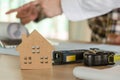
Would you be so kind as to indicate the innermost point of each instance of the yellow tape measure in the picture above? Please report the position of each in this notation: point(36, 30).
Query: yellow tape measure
point(116, 58)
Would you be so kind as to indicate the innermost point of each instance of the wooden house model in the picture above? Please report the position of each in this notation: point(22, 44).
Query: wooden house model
point(35, 52)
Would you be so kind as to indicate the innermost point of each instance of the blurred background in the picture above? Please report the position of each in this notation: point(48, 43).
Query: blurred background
point(55, 28)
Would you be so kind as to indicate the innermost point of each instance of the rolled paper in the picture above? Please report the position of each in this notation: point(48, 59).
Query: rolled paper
point(12, 30)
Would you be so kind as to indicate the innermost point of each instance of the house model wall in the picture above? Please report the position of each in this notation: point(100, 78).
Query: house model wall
point(35, 52)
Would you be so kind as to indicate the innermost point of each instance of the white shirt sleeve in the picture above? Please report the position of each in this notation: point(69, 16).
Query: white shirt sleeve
point(76, 10)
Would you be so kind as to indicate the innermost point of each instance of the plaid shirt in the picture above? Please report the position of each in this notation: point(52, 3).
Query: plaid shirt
point(103, 25)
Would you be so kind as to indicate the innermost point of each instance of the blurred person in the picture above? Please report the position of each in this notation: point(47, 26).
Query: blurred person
point(75, 10)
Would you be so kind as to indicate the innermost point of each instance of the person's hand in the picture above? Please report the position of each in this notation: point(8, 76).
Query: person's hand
point(51, 8)
point(30, 11)
point(117, 40)
point(26, 13)
point(113, 39)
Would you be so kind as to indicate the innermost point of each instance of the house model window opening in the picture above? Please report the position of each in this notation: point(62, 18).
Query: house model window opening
point(35, 49)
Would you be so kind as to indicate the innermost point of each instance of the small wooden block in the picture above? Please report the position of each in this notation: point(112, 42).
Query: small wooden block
point(35, 52)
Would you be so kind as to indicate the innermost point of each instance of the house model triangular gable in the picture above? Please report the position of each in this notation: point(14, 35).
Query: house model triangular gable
point(35, 52)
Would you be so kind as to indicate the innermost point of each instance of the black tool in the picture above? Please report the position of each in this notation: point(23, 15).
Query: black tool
point(68, 56)
point(96, 57)
point(90, 57)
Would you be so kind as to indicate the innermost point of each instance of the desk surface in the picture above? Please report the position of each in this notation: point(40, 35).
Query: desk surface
point(10, 70)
